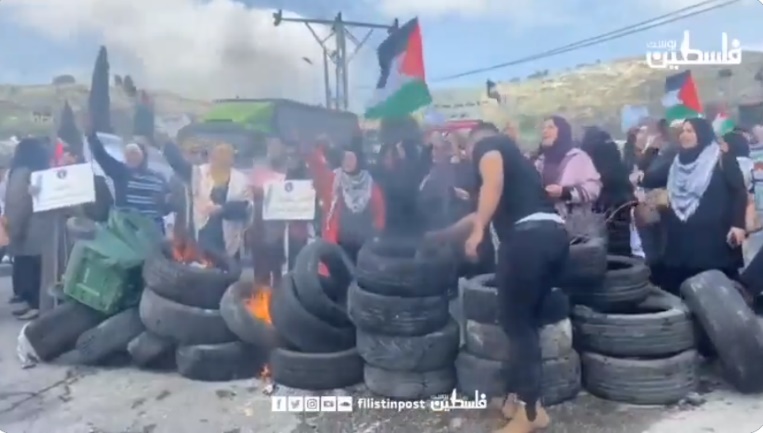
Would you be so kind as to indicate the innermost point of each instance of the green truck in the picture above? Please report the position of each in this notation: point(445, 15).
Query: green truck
point(245, 123)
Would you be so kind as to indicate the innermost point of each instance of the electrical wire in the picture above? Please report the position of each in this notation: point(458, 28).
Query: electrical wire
point(604, 37)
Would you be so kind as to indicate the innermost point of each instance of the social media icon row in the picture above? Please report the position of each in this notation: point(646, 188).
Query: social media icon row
point(311, 404)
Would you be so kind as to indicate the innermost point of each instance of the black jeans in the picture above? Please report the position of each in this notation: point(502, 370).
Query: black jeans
point(26, 278)
point(529, 263)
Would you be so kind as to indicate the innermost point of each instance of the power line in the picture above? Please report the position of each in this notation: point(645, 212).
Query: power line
point(604, 37)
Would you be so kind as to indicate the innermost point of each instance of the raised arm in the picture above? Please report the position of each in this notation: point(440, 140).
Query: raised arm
point(177, 161)
point(112, 167)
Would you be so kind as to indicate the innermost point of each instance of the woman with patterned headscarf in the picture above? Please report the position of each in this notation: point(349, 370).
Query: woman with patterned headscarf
point(220, 198)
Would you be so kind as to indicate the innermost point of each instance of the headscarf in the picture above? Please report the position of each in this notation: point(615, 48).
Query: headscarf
point(692, 170)
point(220, 174)
point(739, 147)
point(355, 187)
point(606, 157)
point(554, 154)
point(32, 154)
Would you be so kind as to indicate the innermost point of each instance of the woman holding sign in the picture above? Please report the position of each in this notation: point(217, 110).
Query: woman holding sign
point(221, 198)
point(354, 210)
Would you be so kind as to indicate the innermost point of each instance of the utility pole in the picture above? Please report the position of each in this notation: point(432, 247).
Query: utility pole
point(340, 31)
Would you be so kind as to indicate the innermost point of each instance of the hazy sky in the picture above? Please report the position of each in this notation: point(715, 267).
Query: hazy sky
point(219, 48)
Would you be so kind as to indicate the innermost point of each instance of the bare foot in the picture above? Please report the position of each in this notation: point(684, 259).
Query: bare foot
point(520, 424)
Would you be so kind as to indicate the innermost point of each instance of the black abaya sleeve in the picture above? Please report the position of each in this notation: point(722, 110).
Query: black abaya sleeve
point(735, 181)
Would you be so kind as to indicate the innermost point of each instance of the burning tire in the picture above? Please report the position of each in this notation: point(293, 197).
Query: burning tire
point(561, 377)
point(183, 324)
point(56, 331)
point(316, 371)
point(394, 315)
point(641, 381)
point(730, 325)
point(199, 286)
point(428, 352)
point(326, 298)
point(147, 348)
point(303, 330)
point(480, 302)
point(243, 320)
point(490, 342)
point(409, 385)
point(659, 326)
point(110, 336)
point(218, 362)
point(394, 267)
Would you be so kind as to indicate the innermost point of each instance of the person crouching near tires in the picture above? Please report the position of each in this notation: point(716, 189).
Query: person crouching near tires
point(534, 246)
point(355, 210)
point(221, 204)
point(705, 205)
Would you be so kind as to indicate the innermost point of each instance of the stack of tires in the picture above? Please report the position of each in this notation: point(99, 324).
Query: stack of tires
point(637, 343)
point(486, 346)
point(180, 308)
point(405, 335)
point(316, 339)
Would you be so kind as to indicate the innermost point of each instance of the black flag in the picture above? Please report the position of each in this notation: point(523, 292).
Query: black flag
point(492, 91)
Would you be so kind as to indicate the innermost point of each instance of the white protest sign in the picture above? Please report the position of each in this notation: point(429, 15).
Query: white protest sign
point(62, 187)
point(289, 200)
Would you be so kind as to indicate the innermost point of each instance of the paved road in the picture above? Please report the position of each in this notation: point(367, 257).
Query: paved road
point(59, 399)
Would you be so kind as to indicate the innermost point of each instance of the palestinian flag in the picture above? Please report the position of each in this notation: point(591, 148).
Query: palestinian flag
point(722, 124)
point(681, 100)
point(402, 87)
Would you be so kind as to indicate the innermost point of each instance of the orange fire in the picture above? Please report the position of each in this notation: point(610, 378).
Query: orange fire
point(185, 252)
point(259, 304)
point(265, 372)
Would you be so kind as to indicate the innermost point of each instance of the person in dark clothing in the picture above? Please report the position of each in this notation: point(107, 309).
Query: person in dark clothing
point(399, 174)
point(136, 187)
point(704, 225)
point(534, 246)
point(221, 199)
point(27, 230)
point(616, 191)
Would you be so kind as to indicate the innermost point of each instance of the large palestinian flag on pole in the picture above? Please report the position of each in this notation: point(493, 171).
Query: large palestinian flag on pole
point(681, 100)
point(402, 87)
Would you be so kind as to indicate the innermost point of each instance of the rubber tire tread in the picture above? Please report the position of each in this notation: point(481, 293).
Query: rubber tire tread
point(303, 330)
point(326, 301)
point(56, 331)
point(316, 371)
point(561, 377)
point(650, 334)
point(620, 287)
point(427, 352)
point(148, 347)
point(183, 324)
point(110, 336)
point(586, 264)
point(491, 342)
point(406, 385)
point(394, 315)
point(218, 362)
point(641, 381)
point(730, 325)
point(393, 267)
point(188, 285)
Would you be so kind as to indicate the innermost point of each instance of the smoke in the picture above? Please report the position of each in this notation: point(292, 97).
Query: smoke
point(210, 49)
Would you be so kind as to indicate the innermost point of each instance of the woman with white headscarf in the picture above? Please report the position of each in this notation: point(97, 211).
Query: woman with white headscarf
point(705, 220)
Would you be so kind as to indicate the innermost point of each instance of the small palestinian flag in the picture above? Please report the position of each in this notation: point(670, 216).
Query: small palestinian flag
point(681, 99)
point(402, 87)
point(722, 124)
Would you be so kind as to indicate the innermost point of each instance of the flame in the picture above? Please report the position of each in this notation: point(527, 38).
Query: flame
point(185, 252)
point(259, 304)
point(265, 374)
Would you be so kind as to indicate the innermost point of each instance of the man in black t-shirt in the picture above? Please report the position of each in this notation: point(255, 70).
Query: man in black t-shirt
point(533, 249)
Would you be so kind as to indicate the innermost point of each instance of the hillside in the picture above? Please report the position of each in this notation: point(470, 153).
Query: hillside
point(588, 94)
point(594, 94)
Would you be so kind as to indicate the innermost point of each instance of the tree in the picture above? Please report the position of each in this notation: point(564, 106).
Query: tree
point(118, 80)
point(67, 130)
point(144, 122)
point(99, 102)
point(62, 80)
point(128, 85)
